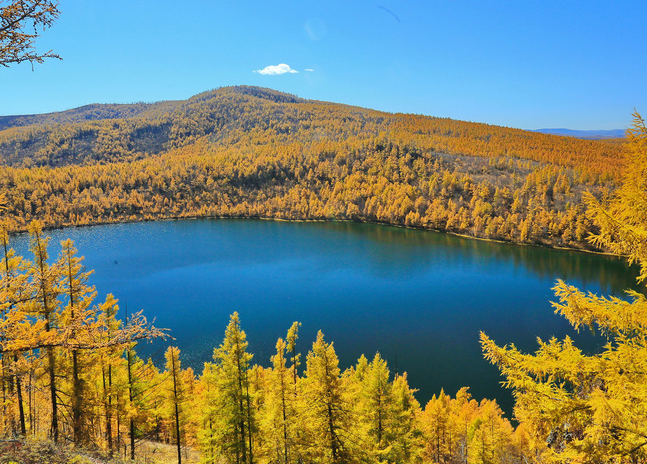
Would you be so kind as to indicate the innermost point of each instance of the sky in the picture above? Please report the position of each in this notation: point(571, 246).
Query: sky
point(527, 64)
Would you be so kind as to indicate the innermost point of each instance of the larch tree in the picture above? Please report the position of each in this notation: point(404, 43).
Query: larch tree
point(441, 428)
point(593, 408)
point(489, 435)
point(20, 24)
point(109, 359)
point(46, 278)
point(53, 334)
point(375, 404)
point(76, 317)
point(231, 420)
point(175, 393)
point(279, 418)
point(293, 335)
point(13, 293)
point(404, 434)
point(326, 417)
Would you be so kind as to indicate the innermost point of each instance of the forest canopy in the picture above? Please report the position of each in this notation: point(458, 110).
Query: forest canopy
point(252, 152)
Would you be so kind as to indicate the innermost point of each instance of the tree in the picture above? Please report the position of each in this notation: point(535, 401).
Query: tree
point(326, 417)
point(623, 221)
point(175, 393)
point(46, 280)
point(375, 403)
point(229, 417)
point(13, 292)
point(293, 335)
point(593, 408)
point(20, 22)
point(489, 435)
point(440, 428)
point(279, 424)
point(79, 297)
point(404, 435)
point(50, 328)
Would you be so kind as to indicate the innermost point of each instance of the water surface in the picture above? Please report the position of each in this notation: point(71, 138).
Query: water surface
point(419, 298)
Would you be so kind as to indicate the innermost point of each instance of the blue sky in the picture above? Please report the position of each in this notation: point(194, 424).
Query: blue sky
point(573, 64)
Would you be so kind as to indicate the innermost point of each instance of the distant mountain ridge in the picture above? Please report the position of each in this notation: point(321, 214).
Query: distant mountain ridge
point(150, 111)
point(92, 112)
point(108, 133)
point(585, 134)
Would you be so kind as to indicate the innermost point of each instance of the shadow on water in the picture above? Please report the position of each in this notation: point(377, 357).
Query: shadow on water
point(610, 275)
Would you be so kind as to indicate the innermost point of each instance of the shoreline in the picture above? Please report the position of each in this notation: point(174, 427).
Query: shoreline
point(269, 218)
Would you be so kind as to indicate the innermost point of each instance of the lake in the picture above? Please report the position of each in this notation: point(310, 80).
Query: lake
point(420, 298)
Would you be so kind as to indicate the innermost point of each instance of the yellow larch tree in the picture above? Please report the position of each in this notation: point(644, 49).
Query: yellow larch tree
point(592, 408)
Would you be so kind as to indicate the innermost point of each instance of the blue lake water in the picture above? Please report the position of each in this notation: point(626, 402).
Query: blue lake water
point(419, 298)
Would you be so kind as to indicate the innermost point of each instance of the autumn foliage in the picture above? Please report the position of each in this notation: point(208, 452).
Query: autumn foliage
point(592, 408)
point(250, 152)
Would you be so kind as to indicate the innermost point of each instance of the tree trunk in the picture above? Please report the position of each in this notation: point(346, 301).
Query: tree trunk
point(177, 412)
point(130, 393)
point(21, 408)
point(52, 391)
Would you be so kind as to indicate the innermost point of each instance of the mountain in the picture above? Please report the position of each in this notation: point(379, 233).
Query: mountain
point(255, 152)
point(109, 132)
point(586, 134)
point(150, 111)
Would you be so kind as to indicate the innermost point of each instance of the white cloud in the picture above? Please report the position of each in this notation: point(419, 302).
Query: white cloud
point(309, 70)
point(276, 70)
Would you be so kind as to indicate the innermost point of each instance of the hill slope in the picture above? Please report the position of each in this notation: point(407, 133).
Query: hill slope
point(253, 152)
point(107, 133)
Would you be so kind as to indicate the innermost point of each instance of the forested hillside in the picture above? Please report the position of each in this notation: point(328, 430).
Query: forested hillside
point(69, 368)
point(247, 151)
